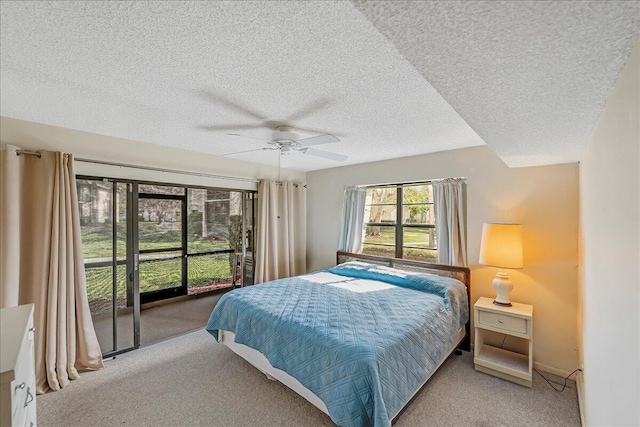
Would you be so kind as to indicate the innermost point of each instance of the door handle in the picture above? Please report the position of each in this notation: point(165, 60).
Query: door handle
point(136, 266)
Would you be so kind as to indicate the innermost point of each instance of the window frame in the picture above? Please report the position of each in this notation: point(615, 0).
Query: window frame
point(399, 225)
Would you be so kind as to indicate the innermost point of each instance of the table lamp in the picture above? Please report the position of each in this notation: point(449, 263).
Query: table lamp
point(501, 247)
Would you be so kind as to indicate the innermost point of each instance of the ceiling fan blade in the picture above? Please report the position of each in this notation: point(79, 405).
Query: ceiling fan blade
point(317, 140)
point(309, 110)
point(325, 154)
point(230, 104)
point(229, 127)
point(248, 151)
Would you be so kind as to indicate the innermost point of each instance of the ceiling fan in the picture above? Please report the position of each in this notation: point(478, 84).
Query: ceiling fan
point(284, 138)
point(287, 142)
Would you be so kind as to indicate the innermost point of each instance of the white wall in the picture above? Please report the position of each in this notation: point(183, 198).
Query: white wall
point(543, 199)
point(38, 136)
point(610, 226)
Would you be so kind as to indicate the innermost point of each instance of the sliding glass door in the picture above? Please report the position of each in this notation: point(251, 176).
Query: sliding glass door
point(105, 219)
point(145, 242)
point(162, 237)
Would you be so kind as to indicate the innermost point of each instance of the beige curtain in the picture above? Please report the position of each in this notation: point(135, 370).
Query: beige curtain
point(41, 262)
point(450, 203)
point(282, 230)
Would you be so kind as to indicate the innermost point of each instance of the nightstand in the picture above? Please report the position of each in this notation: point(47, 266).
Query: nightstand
point(513, 321)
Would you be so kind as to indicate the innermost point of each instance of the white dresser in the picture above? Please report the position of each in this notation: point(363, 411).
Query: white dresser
point(17, 377)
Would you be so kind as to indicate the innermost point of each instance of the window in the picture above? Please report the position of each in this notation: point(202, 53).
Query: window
point(400, 222)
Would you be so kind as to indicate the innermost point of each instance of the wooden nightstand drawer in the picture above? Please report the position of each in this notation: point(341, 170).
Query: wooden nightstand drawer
point(508, 323)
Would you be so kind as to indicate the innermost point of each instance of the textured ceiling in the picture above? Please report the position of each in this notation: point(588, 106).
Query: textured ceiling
point(158, 71)
point(530, 78)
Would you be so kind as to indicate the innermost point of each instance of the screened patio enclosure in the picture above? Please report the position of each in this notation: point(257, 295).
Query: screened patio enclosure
point(146, 242)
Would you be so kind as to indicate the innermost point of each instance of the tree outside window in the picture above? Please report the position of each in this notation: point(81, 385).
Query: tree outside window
point(399, 222)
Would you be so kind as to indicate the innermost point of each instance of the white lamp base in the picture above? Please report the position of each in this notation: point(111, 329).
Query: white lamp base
point(503, 287)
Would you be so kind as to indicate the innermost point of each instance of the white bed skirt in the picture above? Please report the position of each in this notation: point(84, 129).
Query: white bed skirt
point(258, 360)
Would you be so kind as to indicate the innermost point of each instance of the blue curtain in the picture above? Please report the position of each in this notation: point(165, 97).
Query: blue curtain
point(352, 219)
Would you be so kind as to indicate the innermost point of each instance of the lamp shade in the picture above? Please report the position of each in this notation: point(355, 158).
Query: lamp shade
point(501, 245)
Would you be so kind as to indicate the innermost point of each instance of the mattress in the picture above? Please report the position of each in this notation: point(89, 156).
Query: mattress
point(361, 337)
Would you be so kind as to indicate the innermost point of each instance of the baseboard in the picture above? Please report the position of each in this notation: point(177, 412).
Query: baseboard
point(579, 387)
point(551, 370)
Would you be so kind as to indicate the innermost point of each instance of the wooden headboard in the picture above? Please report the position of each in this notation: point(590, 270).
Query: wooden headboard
point(463, 274)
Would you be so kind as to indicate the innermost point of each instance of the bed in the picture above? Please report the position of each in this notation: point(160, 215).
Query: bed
point(358, 340)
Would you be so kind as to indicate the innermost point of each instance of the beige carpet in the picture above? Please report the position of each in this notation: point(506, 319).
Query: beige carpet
point(160, 322)
point(166, 321)
point(191, 380)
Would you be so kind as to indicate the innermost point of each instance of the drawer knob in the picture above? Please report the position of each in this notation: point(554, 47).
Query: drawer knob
point(21, 386)
point(500, 321)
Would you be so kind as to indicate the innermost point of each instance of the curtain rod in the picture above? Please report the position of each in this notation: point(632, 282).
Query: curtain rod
point(390, 184)
point(295, 184)
point(150, 168)
point(30, 153)
point(393, 184)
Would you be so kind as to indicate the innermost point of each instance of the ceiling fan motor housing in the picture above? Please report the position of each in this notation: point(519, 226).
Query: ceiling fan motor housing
point(285, 134)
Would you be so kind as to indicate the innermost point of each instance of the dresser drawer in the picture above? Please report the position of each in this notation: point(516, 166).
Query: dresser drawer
point(500, 321)
point(19, 396)
point(17, 377)
point(22, 387)
point(31, 416)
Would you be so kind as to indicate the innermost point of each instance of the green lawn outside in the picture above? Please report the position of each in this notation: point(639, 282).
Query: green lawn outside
point(412, 236)
point(154, 275)
point(427, 255)
point(157, 275)
point(97, 243)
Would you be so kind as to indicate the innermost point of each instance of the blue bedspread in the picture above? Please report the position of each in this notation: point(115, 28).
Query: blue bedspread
point(362, 347)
